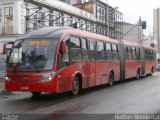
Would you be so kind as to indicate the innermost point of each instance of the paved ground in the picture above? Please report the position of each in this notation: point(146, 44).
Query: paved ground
point(1, 85)
point(130, 97)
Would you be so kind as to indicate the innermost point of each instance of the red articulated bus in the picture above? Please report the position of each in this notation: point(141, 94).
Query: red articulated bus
point(65, 59)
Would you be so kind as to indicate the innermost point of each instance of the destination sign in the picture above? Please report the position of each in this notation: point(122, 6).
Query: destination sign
point(39, 43)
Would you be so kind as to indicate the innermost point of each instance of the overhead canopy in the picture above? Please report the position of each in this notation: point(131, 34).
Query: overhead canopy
point(65, 7)
point(104, 1)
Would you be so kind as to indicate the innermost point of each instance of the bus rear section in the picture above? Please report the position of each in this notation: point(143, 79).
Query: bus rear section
point(149, 60)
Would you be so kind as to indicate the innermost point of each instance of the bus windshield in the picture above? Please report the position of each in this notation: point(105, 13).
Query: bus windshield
point(32, 55)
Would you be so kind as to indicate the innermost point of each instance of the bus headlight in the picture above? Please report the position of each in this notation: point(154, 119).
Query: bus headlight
point(7, 78)
point(46, 79)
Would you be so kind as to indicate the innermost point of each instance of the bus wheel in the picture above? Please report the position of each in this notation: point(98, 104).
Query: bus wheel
point(138, 74)
point(151, 72)
point(36, 94)
point(75, 87)
point(111, 79)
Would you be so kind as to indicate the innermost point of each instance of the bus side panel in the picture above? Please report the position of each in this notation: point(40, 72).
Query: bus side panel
point(67, 76)
point(92, 72)
point(131, 68)
point(115, 66)
point(148, 66)
point(101, 71)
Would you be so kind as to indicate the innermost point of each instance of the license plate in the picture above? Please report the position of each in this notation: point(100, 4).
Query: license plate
point(24, 88)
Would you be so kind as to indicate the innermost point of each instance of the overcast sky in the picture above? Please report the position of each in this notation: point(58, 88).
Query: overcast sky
point(132, 9)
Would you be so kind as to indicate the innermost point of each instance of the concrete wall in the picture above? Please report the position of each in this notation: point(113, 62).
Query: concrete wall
point(18, 20)
point(18, 15)
point(156, 27)
point(133, 34)
point(71, 2)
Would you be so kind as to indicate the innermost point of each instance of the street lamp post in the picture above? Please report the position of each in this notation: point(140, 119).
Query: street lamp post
point(139, 31)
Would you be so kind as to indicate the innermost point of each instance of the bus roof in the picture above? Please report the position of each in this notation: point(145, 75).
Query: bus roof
point(130, 43)
point(57, 32)
point(89, 35)
point(49, 32)
point(148, 47)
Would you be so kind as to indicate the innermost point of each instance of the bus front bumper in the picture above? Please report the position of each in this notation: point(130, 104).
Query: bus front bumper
point(31, 86)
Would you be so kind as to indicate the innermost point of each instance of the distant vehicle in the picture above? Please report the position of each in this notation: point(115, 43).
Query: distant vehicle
point(65, 59)
point(158, 64)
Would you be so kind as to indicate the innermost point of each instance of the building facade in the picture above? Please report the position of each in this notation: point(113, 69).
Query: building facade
point(156, 27)
point(18, 17)
point(71, 2)
point(149, 41)
point(133, 32)
point(12, 20)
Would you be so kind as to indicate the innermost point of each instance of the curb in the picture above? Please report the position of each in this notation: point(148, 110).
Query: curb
point(5, 92)
point(1, 80)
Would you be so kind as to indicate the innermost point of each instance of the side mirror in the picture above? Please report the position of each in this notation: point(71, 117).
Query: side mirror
point(63, 48)
point(4, 49)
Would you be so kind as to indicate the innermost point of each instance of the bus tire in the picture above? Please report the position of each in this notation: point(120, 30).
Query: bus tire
point(138, 75)
point(151, 71)
point(76, 86)
point(36, 94)
point(111, 79)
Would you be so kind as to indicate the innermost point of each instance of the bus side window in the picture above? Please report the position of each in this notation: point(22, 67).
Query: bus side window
point(92, 49)
point(130, 57)
point(104, 52)
point(146, 54)
point(137, 53)
point(126, 52)
point(115, 52)
point(108, 51)
point(134, 53)
point(100, 51)
point(84, 46)
point(75, 49)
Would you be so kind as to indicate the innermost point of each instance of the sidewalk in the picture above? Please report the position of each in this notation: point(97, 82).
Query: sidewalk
point(1, 85)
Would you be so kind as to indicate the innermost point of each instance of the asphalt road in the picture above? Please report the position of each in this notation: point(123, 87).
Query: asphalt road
point(129, 97)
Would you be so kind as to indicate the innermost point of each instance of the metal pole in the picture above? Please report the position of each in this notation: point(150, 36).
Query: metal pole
point(158, 45)
point(139, 24)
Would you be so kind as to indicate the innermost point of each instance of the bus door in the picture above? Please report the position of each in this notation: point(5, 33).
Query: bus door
point(92, 46)
point(142, 52)
point(122, 60)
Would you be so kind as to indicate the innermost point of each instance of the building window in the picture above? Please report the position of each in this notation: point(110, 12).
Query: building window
point(8, 21)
